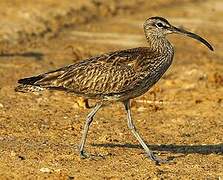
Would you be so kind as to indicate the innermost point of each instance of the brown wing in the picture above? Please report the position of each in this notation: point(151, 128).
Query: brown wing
point(109, 73)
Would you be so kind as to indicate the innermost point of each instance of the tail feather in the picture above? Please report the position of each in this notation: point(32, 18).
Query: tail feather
point(30, 80)
point(40, 82)
point(28, 88)
point(28, 84)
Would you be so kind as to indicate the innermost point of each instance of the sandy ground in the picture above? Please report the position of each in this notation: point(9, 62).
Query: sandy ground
point(40, 133)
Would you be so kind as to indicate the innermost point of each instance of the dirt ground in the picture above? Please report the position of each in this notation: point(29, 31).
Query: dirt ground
point(180, 117)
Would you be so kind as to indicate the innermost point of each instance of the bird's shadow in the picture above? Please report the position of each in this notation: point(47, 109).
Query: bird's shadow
point(35, 55)
point(183, 149)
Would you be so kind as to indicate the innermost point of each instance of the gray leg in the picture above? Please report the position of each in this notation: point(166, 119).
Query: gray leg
point(86, 127)
point(138, 137)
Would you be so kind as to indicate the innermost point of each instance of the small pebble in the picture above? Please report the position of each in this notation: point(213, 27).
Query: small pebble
point(141, 109)
point(45, 170)
point(13, 154)
point(21, 157)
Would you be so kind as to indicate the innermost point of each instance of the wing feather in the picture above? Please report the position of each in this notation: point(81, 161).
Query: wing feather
point(109, 73)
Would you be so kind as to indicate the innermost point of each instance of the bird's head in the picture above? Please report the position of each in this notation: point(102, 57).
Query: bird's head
point(160, 27)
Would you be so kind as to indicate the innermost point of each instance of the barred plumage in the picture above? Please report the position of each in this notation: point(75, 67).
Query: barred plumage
point(116, 76)
point(101, 76)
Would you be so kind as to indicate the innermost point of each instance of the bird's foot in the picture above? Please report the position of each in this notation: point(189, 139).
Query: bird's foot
point(83, 155)
point(156, 159)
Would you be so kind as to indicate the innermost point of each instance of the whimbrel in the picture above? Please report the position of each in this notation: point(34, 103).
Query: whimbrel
point(116, 76)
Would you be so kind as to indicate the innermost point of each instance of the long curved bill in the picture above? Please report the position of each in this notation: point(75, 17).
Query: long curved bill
point(192, 35)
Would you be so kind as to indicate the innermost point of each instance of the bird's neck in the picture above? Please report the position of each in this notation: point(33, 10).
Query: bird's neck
point(158, 43)
point(161, 56)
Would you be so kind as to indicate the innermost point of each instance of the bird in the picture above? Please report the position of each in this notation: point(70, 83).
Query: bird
point(118, 76)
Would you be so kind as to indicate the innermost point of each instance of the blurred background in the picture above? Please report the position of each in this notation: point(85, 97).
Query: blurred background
point(180, 117)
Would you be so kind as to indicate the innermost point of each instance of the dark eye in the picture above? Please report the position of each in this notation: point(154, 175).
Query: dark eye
point(159, 25)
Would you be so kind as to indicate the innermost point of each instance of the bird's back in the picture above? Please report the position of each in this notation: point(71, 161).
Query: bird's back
point(109, 76)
